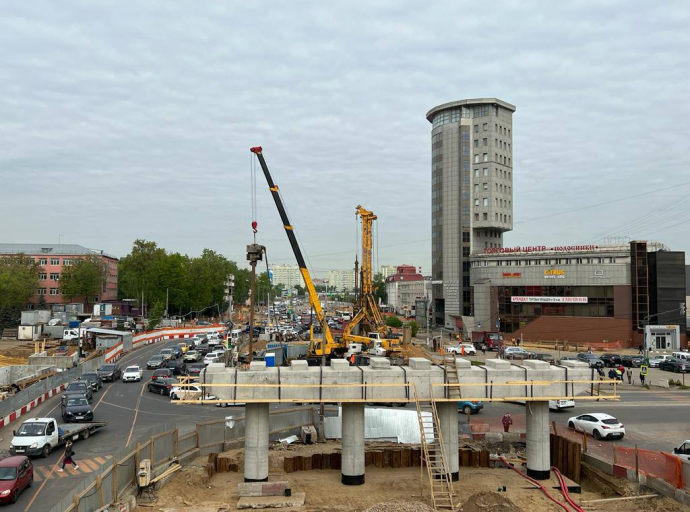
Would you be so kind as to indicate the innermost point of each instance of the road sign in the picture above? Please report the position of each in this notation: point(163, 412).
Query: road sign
point(644, 369)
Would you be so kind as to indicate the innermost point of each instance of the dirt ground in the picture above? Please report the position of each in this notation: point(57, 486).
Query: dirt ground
point(385, 490)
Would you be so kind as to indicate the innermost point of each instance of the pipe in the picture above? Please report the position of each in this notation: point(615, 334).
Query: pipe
point(564, 490)
point(537, 483)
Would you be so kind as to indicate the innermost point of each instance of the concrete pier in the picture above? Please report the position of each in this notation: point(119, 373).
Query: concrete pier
point(353, 444)
point(448, 420)
point(538, 440)
point(256, 442)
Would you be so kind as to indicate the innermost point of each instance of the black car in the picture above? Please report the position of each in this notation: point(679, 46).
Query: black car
point(194, 369)
point(673, 364)
point(77, 408)
point(589, 358)
point(78, 388)
point(178, 367)
point(157, 361)
point(632, 361)
point(611, 360)
point(162, 373)
point(94, 379)
point(204, 348)
point(162, 386)
point(110, 372)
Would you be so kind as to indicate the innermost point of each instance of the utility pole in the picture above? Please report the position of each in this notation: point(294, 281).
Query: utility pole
point(254, 254)
point(167, 301)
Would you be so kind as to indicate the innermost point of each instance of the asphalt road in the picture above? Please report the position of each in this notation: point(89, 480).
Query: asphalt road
point(653, 419)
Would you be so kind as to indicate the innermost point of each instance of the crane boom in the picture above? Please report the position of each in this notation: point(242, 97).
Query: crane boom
point(313, 296)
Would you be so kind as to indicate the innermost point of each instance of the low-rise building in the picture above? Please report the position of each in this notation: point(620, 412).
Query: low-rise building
point(403, 288)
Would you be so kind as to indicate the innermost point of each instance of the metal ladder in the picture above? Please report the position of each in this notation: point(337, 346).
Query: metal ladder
point(452, 391)
point(433, 456)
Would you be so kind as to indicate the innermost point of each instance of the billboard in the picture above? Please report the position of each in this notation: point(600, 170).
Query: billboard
point(550, 300)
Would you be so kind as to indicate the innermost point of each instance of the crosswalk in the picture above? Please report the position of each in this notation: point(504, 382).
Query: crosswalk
point(86, 466)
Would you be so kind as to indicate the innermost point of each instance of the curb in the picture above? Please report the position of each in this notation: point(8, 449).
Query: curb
point(31, 405)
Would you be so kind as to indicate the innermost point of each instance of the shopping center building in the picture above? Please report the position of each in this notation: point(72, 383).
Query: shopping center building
point(586, 294)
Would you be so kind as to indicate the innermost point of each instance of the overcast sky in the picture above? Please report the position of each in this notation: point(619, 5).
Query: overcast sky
point(134, 119)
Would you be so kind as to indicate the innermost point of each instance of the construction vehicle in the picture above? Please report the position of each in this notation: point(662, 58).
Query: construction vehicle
point(368, 316)
point(325, 346)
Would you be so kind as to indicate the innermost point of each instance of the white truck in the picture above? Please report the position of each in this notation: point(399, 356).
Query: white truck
point(683, 451)
point(37, 437)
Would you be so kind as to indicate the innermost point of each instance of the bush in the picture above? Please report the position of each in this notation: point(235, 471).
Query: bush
point(415, 328)
point(393, 321)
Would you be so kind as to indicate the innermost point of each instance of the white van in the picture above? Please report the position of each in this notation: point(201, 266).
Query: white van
point(235, 336)
point(685, 356)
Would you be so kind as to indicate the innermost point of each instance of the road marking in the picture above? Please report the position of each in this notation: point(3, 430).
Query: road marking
point(102, 397)
point(91, 463)
point(100, 460)
point(136, 413)
point(43, 484)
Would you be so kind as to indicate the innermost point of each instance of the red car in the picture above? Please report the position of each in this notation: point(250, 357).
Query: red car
point(16, 474)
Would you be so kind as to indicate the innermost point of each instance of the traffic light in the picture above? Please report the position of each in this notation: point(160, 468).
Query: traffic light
point(682, 308)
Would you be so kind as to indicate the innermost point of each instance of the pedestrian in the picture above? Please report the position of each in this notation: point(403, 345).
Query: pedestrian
point(641, 379)
point(67, 458)
point(507, 422)
point(600, 371)
point(629, 374)
point(612, 375)
point(483, 349)
point(621, 369)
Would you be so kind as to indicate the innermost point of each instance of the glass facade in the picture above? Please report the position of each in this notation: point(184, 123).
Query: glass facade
point(516, 315)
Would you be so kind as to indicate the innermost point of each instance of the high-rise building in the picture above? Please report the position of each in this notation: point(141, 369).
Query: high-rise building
point(287, 275)
point(388, 270)
point(341, 280)
point(471, 195)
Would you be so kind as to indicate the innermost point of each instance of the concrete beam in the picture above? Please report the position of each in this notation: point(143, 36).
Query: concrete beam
point(256, 443)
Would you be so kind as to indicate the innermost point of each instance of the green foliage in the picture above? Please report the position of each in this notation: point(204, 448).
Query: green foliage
point(476, 363)
point(300, 290)
point(156, 314)
point(83, 278)
point(393, 321)
point(18, 283)
point(42, 303)
point(415, 327)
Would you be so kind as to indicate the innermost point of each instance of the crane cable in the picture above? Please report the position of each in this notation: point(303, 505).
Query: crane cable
point(252, 186)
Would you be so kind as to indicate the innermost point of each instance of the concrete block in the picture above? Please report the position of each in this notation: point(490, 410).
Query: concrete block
point(683, 497)
point(662, 383)
point(463, 363)
point(379, 363)
point(299, 365)
point(257, 366)
point(296, 500)
point(340, 365)
point(497, 364)
point(420, 363)
point(262, 488)
point(536, 365)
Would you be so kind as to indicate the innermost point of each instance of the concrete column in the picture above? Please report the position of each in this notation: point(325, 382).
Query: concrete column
point(256, 442)
point(538, 440)
point(353, 444)
point(448, 419)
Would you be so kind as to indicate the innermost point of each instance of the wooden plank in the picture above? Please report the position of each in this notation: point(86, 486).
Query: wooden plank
point(233, 467)
point(396, 458)
point(475, 459)
point(99, 484)
point(317, 461)
point(415, 457)
point(406, 457)
point(484, 459)
point(326, 461)
point(465, 459)
point(288, 465)
point(386, 458)
point(369, 458)
point(378, 458)
point(299, 462)
point(578, 466)
point(306, 463)
point(336, 460)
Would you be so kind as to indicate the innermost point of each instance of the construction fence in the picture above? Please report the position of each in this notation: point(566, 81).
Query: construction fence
point(653, 464)
point(164, 444)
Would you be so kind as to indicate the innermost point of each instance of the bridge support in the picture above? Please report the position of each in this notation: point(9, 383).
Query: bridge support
point(448, 420)
point(256, 442)
point(353, 444)
point(538, 440)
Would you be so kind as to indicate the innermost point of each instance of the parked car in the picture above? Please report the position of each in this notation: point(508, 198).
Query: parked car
point(157, 361)
point(161, 386)
point(610, 360)
point(193, 356)
point(110, 372)
point(211, 358)
point(589, 358)
point(598, 424)
point(632, 361)
point(76, 409)
point(132, 374)
point(194, 369)
point(16, 474)
point(467, 348)
point(515, 350)
point(94, 379)
point(162, 373)
point(567, 358)
point(656, 360)
point(675, 365)
point(78, 388)
point(178, 367)
point(189, 392)
point(168, 354)
point(548, 358)
point(470, 407)
point(683, 451)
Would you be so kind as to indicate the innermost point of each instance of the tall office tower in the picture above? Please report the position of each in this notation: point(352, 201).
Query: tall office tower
point(471, 195)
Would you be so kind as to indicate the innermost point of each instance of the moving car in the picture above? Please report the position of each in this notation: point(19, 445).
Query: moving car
point(516, 350)
point(632, 361)
point(157, 361)
point(192, 356)
point(183, 348)
point(211, 358)
point(470, 407)
point(675, 365)
point(194, 369)
point(168, 354)
point(132, 374)
point(94, 379)
point(656, 360)
point(78, 388)
point(683, 451)
point(16, 474)
point(110, 372)
point(559, 405)
point(38, 436)
point(178, 367)
point(162, 373)
point(177, 351)
point(610, 360)
point(589, 358)
point(598, 424)
point(161, 386)
point(77, 409)
point(458, 349)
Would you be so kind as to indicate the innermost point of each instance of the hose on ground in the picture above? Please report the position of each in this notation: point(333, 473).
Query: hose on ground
point(564, 490)
point(535, 482)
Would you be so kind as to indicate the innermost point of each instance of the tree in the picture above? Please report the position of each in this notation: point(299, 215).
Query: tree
point(18, 283)
point(83, 278)
point(156, 314)
point(415, 328)
point(300, 290)
point(42, 303)
point(393, 321)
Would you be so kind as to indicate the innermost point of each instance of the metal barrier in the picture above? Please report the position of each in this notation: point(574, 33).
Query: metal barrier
point(18, 400)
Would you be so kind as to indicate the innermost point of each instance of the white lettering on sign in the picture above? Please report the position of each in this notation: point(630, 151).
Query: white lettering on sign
point(554, 274)
point(539, 248)
point(553, 300)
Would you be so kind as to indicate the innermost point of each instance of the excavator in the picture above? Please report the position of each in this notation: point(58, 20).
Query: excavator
point(368, 316)
point(326, 346)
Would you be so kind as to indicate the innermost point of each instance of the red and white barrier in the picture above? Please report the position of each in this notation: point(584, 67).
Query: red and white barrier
point(114, 353)
point(172, 333)
point(31, 405)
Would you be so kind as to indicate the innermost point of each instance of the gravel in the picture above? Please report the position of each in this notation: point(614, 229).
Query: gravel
point(400, 506)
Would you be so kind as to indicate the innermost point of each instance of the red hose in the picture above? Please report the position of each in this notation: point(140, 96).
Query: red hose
point(537, 483)
point(564, 490)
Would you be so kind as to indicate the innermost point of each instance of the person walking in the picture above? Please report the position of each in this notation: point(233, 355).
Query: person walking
point(483, 349)
point(507, 422)
point(641, 379)
point(600, 371)
point(67, 458)
point(629, 374)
